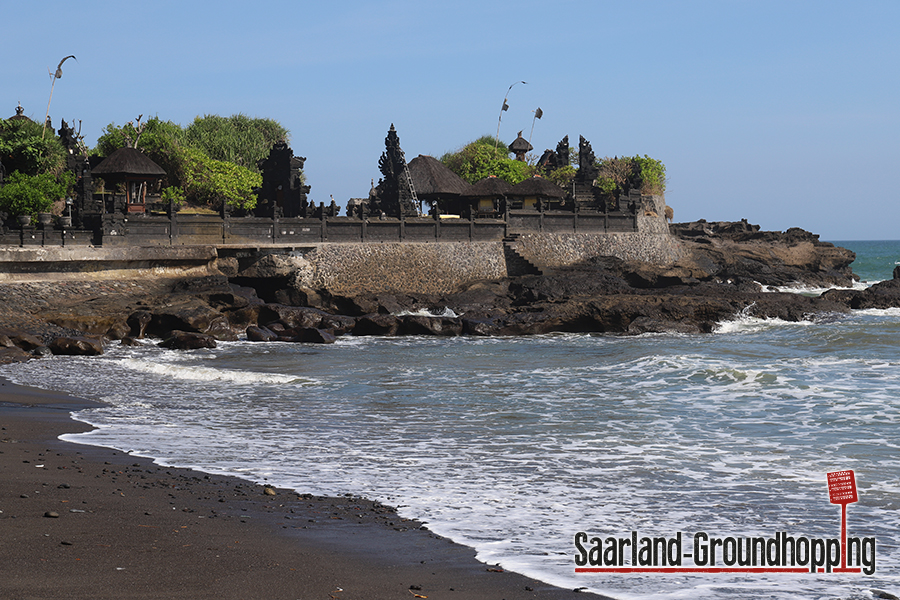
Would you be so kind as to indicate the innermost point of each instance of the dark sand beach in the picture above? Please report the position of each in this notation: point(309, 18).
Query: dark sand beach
point(86, 522)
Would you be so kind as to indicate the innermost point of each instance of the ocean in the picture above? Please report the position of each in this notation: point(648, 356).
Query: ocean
point(515, 445)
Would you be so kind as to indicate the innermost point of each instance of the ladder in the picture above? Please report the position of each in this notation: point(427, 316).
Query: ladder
point(412, 188)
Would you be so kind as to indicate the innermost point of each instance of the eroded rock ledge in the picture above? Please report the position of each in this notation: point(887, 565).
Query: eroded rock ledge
point(725, 269)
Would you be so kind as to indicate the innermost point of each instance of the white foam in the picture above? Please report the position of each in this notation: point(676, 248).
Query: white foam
point(807, 290)
point(195, 373)
point(512, 445)
point(425, 312)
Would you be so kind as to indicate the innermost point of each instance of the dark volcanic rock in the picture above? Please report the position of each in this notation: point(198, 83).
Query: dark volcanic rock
point(737, 251)
point(884, 294)
point(292, 317)
point(14, 354)
point(187, 313)
point(310, 335)
point(377, 324)
point(76, 346)
point(261, 334)
point(138, 321)
point(188, 340)
point(420, 325)
point(22, 340)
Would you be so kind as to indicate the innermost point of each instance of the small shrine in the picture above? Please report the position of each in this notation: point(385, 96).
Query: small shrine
point(536, 193)
point(135, 171)
point(489, 196)
point(520, 147)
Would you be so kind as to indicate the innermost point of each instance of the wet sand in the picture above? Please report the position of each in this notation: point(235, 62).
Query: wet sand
point(87, 522)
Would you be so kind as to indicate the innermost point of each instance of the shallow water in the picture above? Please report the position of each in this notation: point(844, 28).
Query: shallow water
point(512, 445)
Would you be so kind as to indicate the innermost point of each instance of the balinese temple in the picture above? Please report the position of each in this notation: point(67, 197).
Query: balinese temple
point(132, 168)
point(489, 197)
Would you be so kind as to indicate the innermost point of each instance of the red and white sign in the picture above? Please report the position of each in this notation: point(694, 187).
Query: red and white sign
point(842, 487)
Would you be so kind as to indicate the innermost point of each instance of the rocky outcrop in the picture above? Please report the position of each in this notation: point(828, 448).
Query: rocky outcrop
point(740, 252)
point(76, 346)
point(188, 340)
point(722, 270)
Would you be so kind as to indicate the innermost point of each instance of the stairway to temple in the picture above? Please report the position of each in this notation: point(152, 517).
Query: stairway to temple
point(516, 264)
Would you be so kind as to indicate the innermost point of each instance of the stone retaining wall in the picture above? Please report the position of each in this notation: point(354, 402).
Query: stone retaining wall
point(403, 267)
point(566, 249)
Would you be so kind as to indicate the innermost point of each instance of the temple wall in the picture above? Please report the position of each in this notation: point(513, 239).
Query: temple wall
point(403, 267)
point(566, 249)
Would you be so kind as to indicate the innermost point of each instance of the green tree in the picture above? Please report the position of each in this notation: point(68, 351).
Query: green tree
point(211, 182)
point(23, 150)
point(484, 157)
point(653, 175)
point(637, 172)
point(213, 160)
point(237, 139)
point(24, 194)
point(159, 140)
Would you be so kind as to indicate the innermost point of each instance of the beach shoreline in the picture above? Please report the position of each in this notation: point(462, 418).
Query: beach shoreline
point(84, 521)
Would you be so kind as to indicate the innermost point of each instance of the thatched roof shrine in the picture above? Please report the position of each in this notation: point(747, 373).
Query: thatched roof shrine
point(128, 162)
point(537, 187)
point(433, 179)
point(489, 187)
point(520, 146)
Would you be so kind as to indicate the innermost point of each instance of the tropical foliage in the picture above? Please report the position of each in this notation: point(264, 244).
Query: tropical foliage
point(638, 172)
point(210, 182)
point(213, 160)
point(487, 156)
point(484, 157)
point(22, 148)
point(24, 194)
point(236, 139)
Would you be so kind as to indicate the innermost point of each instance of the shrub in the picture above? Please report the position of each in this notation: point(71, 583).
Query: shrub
point(236, 139)
point(22, 148)
point(485, 157)
point(210, 182)
point(32, 194)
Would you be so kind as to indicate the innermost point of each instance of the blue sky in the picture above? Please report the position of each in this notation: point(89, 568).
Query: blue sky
point(784, 113)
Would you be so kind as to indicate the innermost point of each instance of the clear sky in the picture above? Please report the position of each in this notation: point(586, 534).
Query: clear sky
point(781, 112)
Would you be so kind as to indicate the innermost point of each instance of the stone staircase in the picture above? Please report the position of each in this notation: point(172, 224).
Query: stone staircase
point(516, 264)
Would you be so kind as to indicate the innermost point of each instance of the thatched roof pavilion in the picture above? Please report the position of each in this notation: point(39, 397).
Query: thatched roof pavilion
point(434, 180)
point(128, 162)
point(534, 190)
point(489, 196)
point(131, 167)
point(490, 187)
point(539, 187)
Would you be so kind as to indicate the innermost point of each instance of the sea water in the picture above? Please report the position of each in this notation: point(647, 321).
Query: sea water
point(513, 445)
